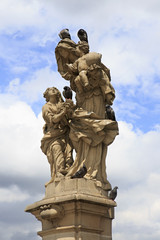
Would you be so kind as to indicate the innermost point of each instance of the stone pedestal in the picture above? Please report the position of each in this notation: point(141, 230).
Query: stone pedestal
point(74, 209)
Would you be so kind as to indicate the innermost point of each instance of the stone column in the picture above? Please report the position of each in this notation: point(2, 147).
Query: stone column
point(74, 209)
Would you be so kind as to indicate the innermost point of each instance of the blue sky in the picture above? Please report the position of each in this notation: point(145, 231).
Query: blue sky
point(127, 34)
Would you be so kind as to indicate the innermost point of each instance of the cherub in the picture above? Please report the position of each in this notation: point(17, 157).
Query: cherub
point(81, 65)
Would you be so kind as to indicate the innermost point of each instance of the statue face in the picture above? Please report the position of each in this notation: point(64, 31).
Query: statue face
point(52, 94)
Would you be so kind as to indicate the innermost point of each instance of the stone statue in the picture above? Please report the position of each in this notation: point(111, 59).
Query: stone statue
point(76, 203)
point(65, 53)
point(55, 142)
point(90, 131)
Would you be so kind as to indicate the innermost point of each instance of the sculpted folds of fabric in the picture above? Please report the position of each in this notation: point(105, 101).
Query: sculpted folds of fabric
point(83, 126)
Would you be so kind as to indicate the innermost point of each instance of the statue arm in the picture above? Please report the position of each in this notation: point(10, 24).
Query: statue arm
point(58, 117)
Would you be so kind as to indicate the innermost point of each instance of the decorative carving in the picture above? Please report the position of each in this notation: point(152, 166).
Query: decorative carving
point(87, 127)
point(76, 203)
point(51, 212)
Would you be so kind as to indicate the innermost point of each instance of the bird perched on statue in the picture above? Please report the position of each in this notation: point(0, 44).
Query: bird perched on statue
point(80, 174)
point(110, 113)
point(67, 93)
point(82, 34)
point(113, 193)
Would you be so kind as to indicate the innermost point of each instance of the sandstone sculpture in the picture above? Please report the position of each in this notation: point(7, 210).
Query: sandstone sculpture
point(87, 128)
point(76, 203)
point(56, 143)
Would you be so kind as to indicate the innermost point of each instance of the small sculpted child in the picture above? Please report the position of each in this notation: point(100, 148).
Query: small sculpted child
point(81, 65)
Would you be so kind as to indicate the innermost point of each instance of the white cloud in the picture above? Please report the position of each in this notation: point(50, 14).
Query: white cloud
point(19, 69)
point(138, 154)
point(13, 194)
point(133, 56)
point(21, 132)
point(127, 37)
point(127, 34)
point(20, 231)
point(31, 90)
point(133, 164)
point(19, 14)
point(13, 86)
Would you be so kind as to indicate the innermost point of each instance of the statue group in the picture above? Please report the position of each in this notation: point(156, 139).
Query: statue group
point(89, 125)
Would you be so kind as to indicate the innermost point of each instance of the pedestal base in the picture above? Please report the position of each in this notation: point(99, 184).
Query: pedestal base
point(74, 209)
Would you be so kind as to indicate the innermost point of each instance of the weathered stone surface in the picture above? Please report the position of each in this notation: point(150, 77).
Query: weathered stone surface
point(76, 205)
point(55, 142)
point(74, 209)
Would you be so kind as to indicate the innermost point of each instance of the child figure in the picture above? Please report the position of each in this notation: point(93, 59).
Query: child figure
point(82, 64)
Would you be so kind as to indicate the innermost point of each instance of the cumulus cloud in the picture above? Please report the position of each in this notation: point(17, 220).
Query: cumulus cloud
point(21, 132)
point(127, 35)
point(21, 14)
point(12, 194)
point(139, 153)
point(24, 168)
point(19, 69)
point(21, 230)
point(31, 90)
point(133, 165)
point(127, 38)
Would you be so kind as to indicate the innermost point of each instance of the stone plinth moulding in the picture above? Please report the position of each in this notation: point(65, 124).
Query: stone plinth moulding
point(74, 209)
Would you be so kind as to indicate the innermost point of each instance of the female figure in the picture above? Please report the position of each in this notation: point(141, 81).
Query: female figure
point(90, 131)
point(55, 142)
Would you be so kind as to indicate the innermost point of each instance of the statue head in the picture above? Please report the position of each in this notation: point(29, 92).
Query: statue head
point(52, 90)
point(82, 34)
point(65, 34)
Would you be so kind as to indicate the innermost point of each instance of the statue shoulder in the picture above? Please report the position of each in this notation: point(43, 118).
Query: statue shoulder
point(49, 107)
point(65, 43)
